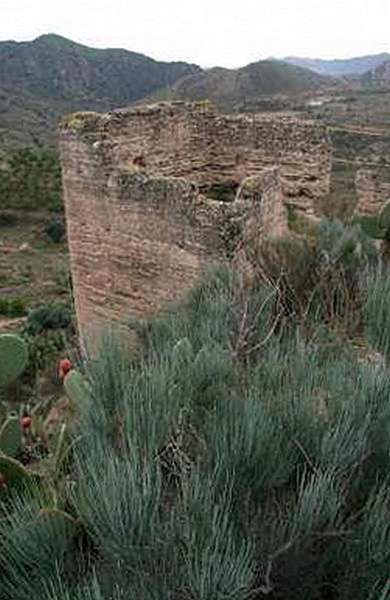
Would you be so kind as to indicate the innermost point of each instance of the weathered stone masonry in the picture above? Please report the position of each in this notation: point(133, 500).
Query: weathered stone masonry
point(373, 190)
point(139, 187)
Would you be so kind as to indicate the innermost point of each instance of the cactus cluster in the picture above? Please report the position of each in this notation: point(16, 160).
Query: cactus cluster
point(13, 361)
point(15, 477)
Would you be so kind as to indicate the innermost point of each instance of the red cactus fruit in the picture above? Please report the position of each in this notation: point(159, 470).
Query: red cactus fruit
point(3, 481)
point(26, 422)
point(64, 367)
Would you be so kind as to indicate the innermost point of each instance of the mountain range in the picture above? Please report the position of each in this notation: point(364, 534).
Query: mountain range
point(227, 88)
point(339, 67)
point(44, 79)
point(378, 77)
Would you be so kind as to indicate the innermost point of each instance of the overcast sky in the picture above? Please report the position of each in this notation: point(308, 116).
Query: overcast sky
point(229, 33)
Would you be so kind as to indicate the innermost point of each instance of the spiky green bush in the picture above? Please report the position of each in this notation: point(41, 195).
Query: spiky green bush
point(236, 455)
point(318, 277)
point(384, 219)
point(376, 294)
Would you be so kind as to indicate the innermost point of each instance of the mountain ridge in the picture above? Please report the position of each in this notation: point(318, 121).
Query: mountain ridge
point(229, 87)
point(43, 79)
point(339, 67)
point(377, 78)
point(52, 75)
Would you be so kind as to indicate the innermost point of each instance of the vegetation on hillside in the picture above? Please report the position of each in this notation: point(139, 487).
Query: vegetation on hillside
point(51, 76)
point(30, 179)
point(228, 87)
point(33, 259)
point(378, 77)
point(240, 452)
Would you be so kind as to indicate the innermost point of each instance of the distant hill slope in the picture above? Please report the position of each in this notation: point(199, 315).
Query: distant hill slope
point(42, 80)
point(45, 78)
point(227, 87)
point(339, 67)
point(378, 77)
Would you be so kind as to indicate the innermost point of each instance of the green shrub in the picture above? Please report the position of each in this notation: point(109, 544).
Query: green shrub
point(8, 218)
point(55, 230)
point(47, 330)
point(376, 293)
point(31, 180)
point(48, 316)
point(43, 349)
point(319, 277)
point(372, 227)
point(237, 454)
point(298, 223)
point(12, 307)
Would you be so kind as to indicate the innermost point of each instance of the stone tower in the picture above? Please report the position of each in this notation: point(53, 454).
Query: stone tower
point(154, 194)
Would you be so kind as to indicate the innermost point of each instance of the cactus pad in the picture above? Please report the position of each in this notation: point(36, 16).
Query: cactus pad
point(11, 437)
point(13, 357)
point(77, 390)
point(14, 477)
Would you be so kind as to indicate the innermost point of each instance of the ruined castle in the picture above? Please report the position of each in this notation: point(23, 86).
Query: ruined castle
point(154, 194)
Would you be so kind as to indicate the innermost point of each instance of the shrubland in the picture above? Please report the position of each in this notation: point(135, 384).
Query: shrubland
point(241, 450)
point(30, 179)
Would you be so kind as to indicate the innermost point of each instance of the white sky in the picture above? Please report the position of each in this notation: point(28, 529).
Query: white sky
point(228, 33)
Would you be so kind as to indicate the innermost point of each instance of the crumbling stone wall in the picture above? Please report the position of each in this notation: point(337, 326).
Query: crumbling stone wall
point(373, 190)
point(139, 188)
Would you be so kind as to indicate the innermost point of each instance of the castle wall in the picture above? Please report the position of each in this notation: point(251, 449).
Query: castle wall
point(181, 140)
point(141, 227)
point(373, 190)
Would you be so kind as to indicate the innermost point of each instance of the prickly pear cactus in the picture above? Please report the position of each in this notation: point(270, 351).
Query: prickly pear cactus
point(77, 389)
point(13, 357)
point(11, 437)
point(14, 477)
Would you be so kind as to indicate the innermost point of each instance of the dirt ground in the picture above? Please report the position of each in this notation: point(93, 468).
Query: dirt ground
point(33, 269)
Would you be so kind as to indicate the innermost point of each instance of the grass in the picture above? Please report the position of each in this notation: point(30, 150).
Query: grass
point(298, 223)
point(12, 307)
point(371, 226)
point(229, 459)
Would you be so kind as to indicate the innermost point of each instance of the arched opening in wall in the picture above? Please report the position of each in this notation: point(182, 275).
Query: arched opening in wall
point(223, 191)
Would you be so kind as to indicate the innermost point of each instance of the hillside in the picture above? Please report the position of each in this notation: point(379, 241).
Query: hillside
point(378, 77)
point(227, 87)
point(339, 67)
point(43, 79)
